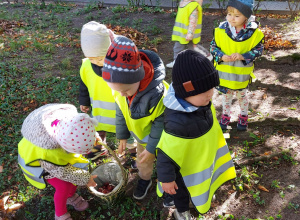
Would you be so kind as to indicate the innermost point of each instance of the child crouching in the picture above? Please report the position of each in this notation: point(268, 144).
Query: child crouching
point(54, 138)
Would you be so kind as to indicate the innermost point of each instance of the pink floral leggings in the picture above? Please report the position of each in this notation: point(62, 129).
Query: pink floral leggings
point(242, 98)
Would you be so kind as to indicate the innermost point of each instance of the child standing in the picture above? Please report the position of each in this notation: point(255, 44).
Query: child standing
point(94, 91)
point(54, 138)
point(193, 160)
point(237, 43)
point(137, 80)
point(187, 28)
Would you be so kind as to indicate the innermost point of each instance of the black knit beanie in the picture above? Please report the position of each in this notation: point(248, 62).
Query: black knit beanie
point(193, 74)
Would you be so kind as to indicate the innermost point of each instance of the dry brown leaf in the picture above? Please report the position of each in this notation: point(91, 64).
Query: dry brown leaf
point(264, 96)
point(246, 186)
point(262, 188)
point(1, 169)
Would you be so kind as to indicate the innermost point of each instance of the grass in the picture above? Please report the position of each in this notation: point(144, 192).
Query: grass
point(42, 56)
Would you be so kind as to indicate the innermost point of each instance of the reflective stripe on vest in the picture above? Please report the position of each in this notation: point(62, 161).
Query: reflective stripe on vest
point(235, 75)
point(140, 128)
point(181, 26)
point(30, 154)
point(102, 101)
point(206, 164)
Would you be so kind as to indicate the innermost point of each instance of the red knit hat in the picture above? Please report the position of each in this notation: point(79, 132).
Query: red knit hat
point(123, 63)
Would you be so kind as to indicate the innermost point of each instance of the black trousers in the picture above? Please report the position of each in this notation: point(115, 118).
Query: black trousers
point(182, 196)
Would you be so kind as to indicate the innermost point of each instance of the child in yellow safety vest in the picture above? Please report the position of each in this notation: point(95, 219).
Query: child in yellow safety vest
point(187, 29)
point(193, 159)
point(94, 91)
point(54, 138)
point(137, 80)
point(237, 43)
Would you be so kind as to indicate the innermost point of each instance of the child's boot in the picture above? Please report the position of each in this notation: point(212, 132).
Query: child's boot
point(182, 215)
point(242, 123)
point(65, 216)
point(78, 202)
point(225, 119)
point(142, 189)
point(168, 201)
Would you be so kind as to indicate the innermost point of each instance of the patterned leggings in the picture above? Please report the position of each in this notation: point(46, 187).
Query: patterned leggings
point(242, 98)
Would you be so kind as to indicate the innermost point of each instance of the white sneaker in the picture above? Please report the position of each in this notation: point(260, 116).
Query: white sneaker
point(170, 65)
point(182, 215)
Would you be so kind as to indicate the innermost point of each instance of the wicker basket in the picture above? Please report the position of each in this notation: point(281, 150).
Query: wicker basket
point(113, 173)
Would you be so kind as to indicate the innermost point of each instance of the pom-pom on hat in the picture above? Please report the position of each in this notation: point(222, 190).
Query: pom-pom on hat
point(123, 63)
point(193, 74)
point(76, 134)
point(244, 6)
point(94, 39)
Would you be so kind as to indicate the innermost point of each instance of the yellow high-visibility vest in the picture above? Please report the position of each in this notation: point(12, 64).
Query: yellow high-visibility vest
point(235, 75)
point(181, 26)
point(30, 154)
point(102, 101)
point(204, 163)
point(140, 128)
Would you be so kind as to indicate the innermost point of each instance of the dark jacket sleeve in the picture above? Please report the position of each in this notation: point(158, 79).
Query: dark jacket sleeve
point(154, 136)
point(84, 96)
point(122, 131)
point(166, 170)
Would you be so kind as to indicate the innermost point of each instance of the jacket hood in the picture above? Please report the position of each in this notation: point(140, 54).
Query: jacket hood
point(177, 104)
point(37, 128)
point(147, 98)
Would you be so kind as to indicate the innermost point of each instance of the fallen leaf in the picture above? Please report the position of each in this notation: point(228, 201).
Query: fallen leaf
point(1, 169)
point(264, 96)
point(262, 188)
point(246, 186)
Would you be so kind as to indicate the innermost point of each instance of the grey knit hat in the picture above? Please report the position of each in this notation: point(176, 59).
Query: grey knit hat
point(123, 63)
point(244, 6)
point(94, 39)
point(193, 74)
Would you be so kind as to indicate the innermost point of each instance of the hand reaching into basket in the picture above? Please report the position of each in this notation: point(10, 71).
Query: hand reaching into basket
point(92, 182)
point(122, 146)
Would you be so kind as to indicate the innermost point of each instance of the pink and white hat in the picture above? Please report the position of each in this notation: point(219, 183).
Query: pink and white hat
point(76, 134)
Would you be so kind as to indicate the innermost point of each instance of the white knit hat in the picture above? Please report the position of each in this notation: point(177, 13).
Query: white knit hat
point(76, 134)
point(94, 39)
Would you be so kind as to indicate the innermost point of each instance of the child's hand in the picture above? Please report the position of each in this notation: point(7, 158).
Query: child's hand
point(189, 37)
point(92, 182)
point(84, 109)
point(122, 146)
point(237, 56)
point(227, 58)
point(170, 187)
point(146, 155)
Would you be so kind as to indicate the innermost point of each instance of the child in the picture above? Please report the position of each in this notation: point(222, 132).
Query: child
point(94, 91)
point(54, 138)
point(237, 43)
point(136, 78)
point(187, 28)
point(193, 160)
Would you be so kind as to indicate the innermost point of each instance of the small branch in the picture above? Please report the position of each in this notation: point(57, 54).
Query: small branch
point(244, 162)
